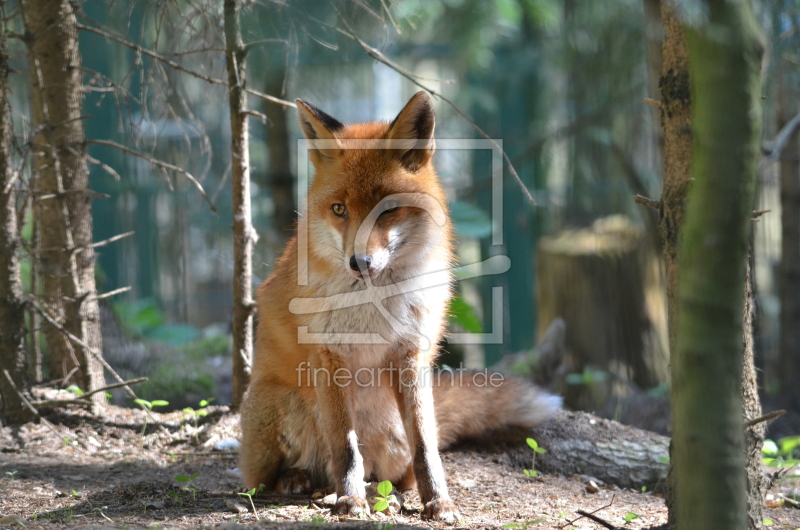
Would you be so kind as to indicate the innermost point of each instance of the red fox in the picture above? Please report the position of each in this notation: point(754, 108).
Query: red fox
point(342, 390)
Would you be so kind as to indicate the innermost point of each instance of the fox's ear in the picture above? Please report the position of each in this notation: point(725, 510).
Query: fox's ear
point(317, 125)
point(415, 124)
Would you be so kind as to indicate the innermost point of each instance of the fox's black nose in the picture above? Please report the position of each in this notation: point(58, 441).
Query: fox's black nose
point(360, 262)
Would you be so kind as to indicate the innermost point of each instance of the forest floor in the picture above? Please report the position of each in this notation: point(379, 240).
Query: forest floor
point(90, 471)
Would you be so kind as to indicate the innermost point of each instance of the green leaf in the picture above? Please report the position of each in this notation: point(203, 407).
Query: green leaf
point(664, 459)
point(385, 488)
point(768, 522)
point(159, 403)
point(511, 525)
point(630, 516)
point(182, 478)
point(204, 402)
point(75, 390)
point(540, 450)
point(464, 315)
point(533, 444)
point(769, 448)
point(380, 505)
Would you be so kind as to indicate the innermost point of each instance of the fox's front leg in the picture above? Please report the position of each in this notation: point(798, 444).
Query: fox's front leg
point(346, 463)
point(416, 404)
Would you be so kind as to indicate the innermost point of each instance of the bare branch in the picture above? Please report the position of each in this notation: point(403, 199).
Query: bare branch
point(110, 170)
point(777, 145)
point(159, 163)
point(646, 201)
point(111, 239)
point(378, 56)
point(765, 417)
point(176, 66)
point(109, 294)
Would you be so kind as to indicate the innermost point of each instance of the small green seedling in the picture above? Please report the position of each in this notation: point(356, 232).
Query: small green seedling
point(644, 489)
point(630, 516)
point(75, 390)
point(191, 488)
point(533, 444)
point(149, 406)
point(317, 519)
point(176, 497)
point(249, 495)
point(104, 516)
point(384, 496)
point(11, 474)
point(768, 522)
point(524, 524)
point(197, 414)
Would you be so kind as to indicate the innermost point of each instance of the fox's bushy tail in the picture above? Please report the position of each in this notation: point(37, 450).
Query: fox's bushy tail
point(469, 404)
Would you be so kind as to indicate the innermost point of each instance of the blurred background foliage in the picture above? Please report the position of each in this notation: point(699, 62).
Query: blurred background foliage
point(562, 83)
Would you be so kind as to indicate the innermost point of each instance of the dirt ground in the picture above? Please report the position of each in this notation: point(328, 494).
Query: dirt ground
point(88, 471)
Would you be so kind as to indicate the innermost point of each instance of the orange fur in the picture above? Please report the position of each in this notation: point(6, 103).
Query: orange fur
point(300, 429)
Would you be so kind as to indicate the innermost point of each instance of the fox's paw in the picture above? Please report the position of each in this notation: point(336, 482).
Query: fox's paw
point(441, 510)
point(294, 481)
point(351, 505)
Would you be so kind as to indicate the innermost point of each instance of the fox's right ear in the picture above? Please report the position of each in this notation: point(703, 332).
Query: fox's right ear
point(317, 125)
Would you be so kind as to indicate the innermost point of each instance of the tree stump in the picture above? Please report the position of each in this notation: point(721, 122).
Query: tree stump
point(607, 285)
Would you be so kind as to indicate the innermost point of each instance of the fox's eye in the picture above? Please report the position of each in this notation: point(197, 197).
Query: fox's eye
point(339, 209)
point(390, 206)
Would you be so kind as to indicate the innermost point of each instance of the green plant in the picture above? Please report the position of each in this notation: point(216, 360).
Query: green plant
point(176, 497)
point(533, 444)
point(197, 414)
point(630, 516)
point(103, 515)
point(317, 519)
point(75, 390)
point(587, 377)
point(384, 496)
point(149, 406)
point(249, 495)
point(191, 488)
point(11, 474)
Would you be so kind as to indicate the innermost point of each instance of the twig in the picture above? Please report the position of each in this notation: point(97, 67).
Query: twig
point(765, 417)
point(652, 102)
point(758, 214)
point(159, 163)
point(176, 66)
point(117, 385)
point(777, 145)
point(108, 169)
point(568, 523)
point(380, 57)
point(97, 355)
point(33, 409)
point(111, 239)
point(112, 293)
point(598, 520)
point(646, 201)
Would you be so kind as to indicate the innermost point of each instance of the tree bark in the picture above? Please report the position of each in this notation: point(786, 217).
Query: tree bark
point(708, 434)
point(280, 177)
point(12, 303)
point(62, 199)
point(243, 233)
point(789, 283)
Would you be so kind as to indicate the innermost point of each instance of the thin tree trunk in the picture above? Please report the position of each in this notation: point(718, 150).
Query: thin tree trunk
point(708, 433)
point(281, 180)
point(790, 255)
point(243, 233)
point(62, 199)
point(676, 125)
point(12, 303)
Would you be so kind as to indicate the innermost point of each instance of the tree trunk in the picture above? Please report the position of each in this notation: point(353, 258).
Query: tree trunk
point(62, 199)
point(708, 434)
point(789, 283)
point(243, 233)
point(12, 304)
point(279, 176)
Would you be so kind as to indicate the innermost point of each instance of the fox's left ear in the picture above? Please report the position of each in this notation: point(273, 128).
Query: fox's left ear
point(415, 124)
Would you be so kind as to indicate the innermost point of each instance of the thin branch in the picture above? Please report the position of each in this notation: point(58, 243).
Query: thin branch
point(758, 214)
point(112, 293)
point(777, 145)
point(97, 355)
point(108, 169)
point(111, 239)
point(765, 417)
point(117, 385)
point(378, 56)
point(646, 201)
point(598, 520)
point(569, 523)
point(176, 66)
point(159, 163)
